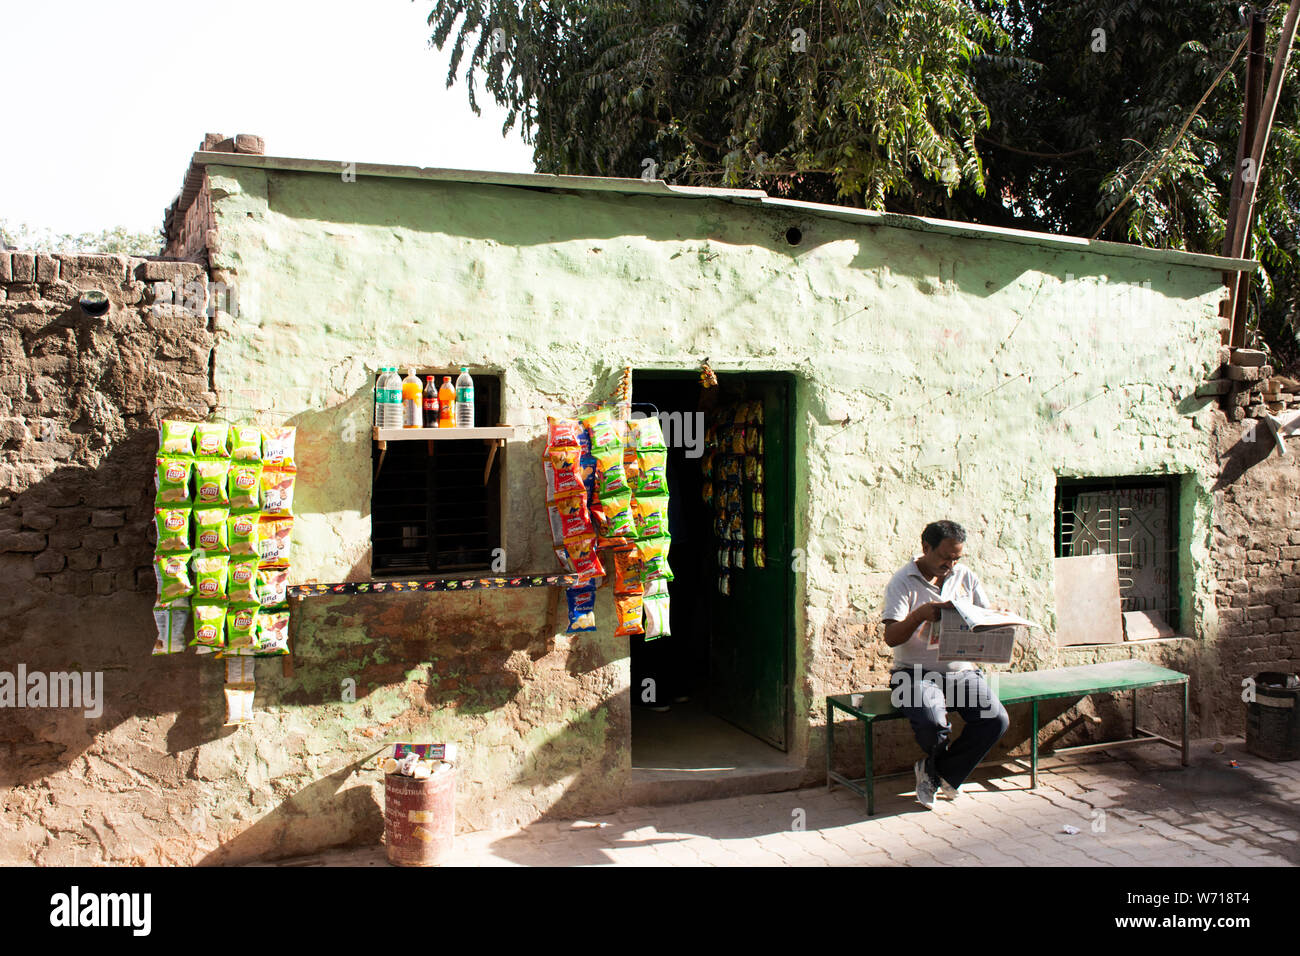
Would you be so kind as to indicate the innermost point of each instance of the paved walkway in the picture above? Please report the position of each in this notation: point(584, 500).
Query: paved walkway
point(1130, 807)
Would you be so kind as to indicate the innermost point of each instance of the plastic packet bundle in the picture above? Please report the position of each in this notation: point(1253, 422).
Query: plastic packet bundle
point(175, 438)
point(277, 445)
point(210, 481)
point(211, 528)
point(173, 529)
point(628, 568)
point(245, 443)
point(652, 516)
point(173, 573)
point(627, 612)
point(172, 480)
point(239, 704)
point(244, 479)
point(273, 545)
point(277, 489)
point(210, 574)
point(241, 627)
point(209, 623)
point(212, 439)
point(241, 583)
point(242, 535)
point(656, 606)
point(272, 586)
point(173, 623)
point(582, 608)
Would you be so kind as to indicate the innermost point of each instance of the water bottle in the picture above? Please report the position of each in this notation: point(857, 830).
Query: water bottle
point(379, 396)
point(464, 399)
point(392, 399)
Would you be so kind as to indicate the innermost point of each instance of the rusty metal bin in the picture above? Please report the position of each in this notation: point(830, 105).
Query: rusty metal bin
point(419, 818)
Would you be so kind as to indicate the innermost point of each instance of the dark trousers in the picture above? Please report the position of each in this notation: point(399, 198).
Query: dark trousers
point(925, 699)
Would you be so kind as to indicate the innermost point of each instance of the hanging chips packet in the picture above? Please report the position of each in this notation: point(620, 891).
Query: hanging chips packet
point(277, 489)
point(173, 528)
point(562, 432)
point(210, 481)
point(210, 528)
point(175, 438)
point(209, 624)
point(210, 573)
point(241, 627)
point(272, 586)
point(628, 568)
point(243, 485)
point(173, 479)
point(212, 439)
point(277, 445)
point(582, 608)
point(610, 477)
point(582, 555)
point(646, 432)
point(652, 468)
point(245, 443)
point(239, 704)
point(272, 633)
point(656, 606)
point(273, 544)
point(562, 474)
point(173, 574)
point(241, 584)
point(569, 517)
point(627, 612)
point(173, 623)
point(615, 517)
point(242, 535)
point(652, 516)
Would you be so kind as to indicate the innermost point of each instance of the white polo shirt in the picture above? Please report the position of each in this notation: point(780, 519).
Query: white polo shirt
point(909, 589)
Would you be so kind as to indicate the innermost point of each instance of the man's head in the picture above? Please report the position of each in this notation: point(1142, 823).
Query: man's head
point(942, 543)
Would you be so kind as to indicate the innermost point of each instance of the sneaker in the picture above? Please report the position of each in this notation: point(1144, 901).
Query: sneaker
point(924, 786)
point(948, 790)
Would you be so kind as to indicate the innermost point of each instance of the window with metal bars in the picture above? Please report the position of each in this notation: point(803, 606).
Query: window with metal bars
point(1134, 519)
point(434, 507)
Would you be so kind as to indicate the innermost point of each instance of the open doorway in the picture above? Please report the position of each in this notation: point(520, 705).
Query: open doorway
point(719, 700)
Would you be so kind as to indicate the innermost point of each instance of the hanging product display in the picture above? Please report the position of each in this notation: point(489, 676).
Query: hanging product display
point(732, 466)
point(223, 515)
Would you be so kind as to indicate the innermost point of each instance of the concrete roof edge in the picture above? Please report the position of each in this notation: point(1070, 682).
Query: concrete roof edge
point(657, 187)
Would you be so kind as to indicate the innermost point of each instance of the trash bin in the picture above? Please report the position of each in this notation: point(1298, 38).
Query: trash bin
point(419, 818)
point(1273, 717)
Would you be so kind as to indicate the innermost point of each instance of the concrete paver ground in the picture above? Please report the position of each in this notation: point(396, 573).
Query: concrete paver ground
point(1131, 807)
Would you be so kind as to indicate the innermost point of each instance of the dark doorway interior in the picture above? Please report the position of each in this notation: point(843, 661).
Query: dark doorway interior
point(723, 673)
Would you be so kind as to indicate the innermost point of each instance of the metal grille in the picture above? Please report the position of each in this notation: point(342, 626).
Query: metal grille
point(430, 511)
point(1133, 519)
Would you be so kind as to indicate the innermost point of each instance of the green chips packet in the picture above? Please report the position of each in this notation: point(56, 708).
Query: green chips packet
point(173, 479)
point(241, 626)
point(209, 624)
point(245, 484)
point(242, 583)
point(173, 529)
point(210, 573)
point(245, 443)
point(210, 481)
point(173, 573)
point(212, 439)
point(176, 438)
point(210, 531)
point(243, 535)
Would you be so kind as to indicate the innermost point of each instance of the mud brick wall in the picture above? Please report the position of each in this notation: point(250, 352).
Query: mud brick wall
point(79, 396)
point(1256, 553)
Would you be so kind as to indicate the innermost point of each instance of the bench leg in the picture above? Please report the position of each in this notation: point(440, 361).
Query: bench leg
point(1135, 711)
point(1033, 750)
point(871, 772)
point(830, 744)
point(1186, 688)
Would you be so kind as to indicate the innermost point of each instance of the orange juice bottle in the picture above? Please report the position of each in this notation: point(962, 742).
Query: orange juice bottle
point(446, 404)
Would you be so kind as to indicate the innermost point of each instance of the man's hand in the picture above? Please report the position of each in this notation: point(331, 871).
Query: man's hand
point(934, 610)
point(899, 632)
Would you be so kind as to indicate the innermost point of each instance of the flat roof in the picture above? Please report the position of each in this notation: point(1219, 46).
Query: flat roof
point(657, 187)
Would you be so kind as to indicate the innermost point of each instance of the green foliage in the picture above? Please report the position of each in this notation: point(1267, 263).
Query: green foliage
point(116, 241)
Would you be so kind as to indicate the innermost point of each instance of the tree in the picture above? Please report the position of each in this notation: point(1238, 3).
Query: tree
point(116, 241)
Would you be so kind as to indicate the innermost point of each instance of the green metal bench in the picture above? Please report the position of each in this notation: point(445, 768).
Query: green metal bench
point(1027, 687)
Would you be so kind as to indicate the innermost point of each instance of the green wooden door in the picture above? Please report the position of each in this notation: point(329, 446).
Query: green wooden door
point(751, 629)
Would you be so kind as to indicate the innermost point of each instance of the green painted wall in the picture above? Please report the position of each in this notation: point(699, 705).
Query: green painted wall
point(937, 377)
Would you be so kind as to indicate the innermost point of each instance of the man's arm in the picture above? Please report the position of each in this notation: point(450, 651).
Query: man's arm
point(900, 631)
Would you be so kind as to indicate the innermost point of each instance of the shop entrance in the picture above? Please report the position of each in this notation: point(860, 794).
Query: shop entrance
point(715, 694)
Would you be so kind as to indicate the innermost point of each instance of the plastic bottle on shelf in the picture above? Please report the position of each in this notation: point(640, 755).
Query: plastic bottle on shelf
point(411, 400)
point(392, 399)
point(381, 383)
point(464, 399)
point(446, 404)
point(431, 403)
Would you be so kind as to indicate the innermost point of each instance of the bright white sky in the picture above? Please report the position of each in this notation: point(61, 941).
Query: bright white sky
point(108, 99)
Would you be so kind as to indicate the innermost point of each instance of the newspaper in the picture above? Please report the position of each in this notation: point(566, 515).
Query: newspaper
point(976, 634)
point(982, 618)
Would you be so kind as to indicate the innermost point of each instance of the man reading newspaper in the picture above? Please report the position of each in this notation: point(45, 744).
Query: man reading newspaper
point(925, 688)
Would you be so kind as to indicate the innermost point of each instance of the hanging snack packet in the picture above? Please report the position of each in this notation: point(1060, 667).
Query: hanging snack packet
point(173, 479)
point(277, 445)
point(652, 548)
point(587, 471)
point(627, 611)
point(277, 489)
point(646, 432)
point(173, 528)
point(210, 573)
point(176, 438)
point(657, 569)
point(212, 439)
point(605, 435)
point(173, 573)
point(604, 414)
point(562, 474)
point(610, 478)
point(240, 669)
point(614, 517)
point(562, 432)
point(652, 516)
point(210, 481)
point(241, 627)
point(653, 467)
point(173, 628)
point(243, 484)
point(628, 568)
point(569, 517)
point(210, 529)
point(272, 633)
point(582, 608)
point(245, 443)
point(209, 624)
point(241, 584)
point(242, 535)
point(582, 554)
point(656, 613)
point(272, 586)
point(631, 468)
point(239, 704)
point(274, 542)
